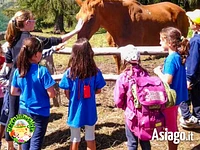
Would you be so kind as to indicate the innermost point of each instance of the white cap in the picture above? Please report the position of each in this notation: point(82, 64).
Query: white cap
point(194, 16)
point(129, 53)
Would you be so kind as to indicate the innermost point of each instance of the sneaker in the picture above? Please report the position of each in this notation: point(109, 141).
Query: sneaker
point(192, 122)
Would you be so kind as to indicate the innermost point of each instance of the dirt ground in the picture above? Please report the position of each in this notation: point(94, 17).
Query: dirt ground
point(110, 133)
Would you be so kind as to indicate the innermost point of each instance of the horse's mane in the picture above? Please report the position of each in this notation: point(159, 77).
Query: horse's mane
point(127, 2)
point(92, 3)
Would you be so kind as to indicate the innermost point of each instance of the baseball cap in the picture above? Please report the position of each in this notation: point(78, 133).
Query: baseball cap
point(194, 16)
point(130, 53)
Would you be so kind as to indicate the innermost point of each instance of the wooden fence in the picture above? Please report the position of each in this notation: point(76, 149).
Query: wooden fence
point(144, 50)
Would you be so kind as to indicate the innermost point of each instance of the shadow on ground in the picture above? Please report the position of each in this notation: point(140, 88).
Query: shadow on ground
point(55, 116)
point(103, 141)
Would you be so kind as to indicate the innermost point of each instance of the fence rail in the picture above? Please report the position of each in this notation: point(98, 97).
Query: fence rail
point(144, 50)
point(107, 77)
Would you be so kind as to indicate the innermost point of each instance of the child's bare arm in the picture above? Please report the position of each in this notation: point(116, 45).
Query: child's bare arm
point(15, 91)
point(98, 91)
point(67, 93)
point(51, 92)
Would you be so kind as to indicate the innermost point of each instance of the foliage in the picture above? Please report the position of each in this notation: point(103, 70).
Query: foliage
point(4, 20)
point(4, 17)
point(52, 9)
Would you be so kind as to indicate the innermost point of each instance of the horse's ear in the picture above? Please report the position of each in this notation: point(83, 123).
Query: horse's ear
point(79, 2)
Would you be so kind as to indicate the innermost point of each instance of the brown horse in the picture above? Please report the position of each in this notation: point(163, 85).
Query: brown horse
point(129, 22)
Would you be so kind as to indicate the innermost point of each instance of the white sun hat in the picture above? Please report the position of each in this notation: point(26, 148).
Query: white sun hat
point(130, 53)
point(194, 16)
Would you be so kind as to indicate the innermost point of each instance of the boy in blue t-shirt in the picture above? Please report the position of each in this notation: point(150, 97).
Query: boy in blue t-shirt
point(192, 120)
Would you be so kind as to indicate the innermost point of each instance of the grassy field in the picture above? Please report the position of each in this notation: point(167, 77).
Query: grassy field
point(110, 134)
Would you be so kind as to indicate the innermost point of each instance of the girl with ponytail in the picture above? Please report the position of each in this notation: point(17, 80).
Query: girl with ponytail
point(35, 86)
point(173, 72)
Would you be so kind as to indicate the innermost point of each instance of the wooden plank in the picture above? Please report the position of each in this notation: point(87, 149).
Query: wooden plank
point(144, 50)
point(107, 77)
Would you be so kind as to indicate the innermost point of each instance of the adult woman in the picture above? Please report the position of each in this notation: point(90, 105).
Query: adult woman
point(18, 29)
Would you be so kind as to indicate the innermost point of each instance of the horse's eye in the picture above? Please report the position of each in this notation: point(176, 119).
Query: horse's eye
point(91, 17)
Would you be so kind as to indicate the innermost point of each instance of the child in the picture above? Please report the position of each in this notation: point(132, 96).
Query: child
point(2, 57)
point(4, 81)
point(34, 84)
point(193, 74)
point(3, 85)
point(2, 60)
point(173, 73)
point(81, 82)
point(123, 97)
point(19, 28)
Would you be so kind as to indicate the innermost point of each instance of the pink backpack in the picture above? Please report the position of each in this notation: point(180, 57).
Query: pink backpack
point(150, 99)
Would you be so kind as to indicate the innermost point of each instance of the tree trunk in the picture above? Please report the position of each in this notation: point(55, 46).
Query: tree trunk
point(186, 5)
point(59, 24)
point(175, 2)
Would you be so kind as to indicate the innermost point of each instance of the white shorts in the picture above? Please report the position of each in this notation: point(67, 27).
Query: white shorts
point(76, 133)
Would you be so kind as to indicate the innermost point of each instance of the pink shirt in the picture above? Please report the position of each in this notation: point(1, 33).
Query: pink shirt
point(123, 97)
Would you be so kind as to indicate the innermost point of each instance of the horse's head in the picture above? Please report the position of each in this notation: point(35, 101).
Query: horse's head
point(89, 14)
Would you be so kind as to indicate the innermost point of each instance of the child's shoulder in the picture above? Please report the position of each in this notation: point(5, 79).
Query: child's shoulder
point(43, 69)
point(195, 38)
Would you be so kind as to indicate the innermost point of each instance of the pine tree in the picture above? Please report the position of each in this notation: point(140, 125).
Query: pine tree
point(51, 11)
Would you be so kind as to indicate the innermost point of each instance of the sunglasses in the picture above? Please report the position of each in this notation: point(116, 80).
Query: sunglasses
point(31, 20)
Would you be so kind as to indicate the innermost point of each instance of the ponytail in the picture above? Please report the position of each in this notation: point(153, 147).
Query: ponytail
point(23, 63)
point(183, 49)
point(12, 32)
point(30, 47)
point(14, 26)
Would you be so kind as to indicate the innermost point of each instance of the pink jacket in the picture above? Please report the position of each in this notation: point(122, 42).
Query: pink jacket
point(123, 97)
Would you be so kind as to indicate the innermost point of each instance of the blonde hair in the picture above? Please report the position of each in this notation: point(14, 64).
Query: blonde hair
point(15, 24)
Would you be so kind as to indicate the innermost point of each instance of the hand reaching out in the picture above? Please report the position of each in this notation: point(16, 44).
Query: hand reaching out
point(79, 25)
point(60, 46)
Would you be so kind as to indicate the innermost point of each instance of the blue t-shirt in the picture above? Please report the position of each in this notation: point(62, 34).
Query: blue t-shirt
point(193, 60)
point(174, 67)
point(33, 86)
point(82, 111)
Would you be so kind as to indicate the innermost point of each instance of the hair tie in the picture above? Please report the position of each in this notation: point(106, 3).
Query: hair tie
point(182, 37)
point(40, 41)
point(24, 47)
point(14, 22)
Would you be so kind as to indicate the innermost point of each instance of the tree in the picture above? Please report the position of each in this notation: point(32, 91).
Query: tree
point(50, 11)
point(194, 4)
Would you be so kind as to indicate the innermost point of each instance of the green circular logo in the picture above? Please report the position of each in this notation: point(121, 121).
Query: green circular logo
point(21, 128)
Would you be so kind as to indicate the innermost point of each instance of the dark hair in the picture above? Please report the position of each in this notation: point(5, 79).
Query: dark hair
point(30, 47)
point(81, 62)
point(175, 38)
